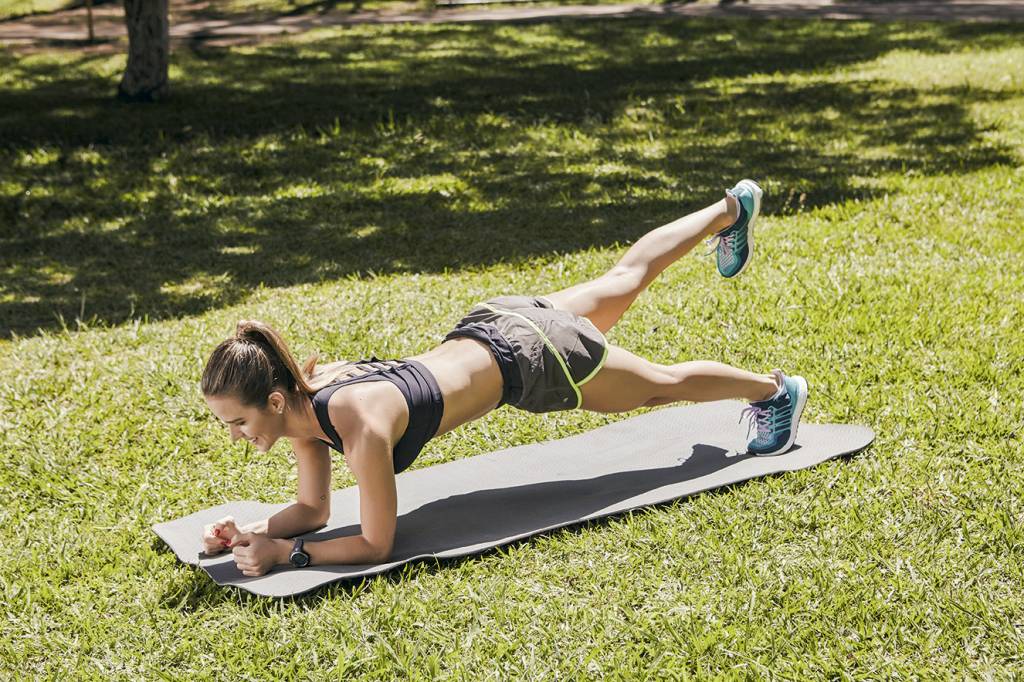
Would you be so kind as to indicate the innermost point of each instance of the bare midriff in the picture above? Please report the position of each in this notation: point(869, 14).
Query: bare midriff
point(469, 379)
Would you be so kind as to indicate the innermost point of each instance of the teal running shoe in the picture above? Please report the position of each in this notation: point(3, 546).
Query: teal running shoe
point(778, 417)
point(736, 243)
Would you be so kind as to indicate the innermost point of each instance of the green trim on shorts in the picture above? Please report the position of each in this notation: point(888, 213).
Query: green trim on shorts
point(604, 356)
point(551, 347)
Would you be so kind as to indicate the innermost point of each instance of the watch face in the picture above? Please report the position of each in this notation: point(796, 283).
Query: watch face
point(299, 559)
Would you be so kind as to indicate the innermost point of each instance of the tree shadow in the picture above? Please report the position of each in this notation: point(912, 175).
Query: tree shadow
point(321, 7)
point(432, 148)
point(257, 15)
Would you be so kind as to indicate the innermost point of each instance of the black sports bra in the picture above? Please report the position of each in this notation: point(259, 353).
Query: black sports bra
point(422, 395)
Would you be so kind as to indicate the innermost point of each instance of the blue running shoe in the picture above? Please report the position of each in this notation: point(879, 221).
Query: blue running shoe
point(736, 242)
point(778, 417)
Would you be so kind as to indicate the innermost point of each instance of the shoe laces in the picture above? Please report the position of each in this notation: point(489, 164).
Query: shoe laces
point(760, 417)
point(725, 242)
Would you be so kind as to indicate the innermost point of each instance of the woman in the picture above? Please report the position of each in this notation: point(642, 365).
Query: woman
point(539, 354)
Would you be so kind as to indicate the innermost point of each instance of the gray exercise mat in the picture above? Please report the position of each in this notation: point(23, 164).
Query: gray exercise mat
point(472, 504)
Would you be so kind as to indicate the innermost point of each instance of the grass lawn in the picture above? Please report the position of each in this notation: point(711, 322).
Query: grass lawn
point(360, 188)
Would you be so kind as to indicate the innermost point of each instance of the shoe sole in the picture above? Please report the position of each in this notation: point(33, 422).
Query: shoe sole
point(758, 193)
point(801, 400)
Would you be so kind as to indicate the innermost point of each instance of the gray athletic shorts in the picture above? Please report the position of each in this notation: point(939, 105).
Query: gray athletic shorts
point(544, 354)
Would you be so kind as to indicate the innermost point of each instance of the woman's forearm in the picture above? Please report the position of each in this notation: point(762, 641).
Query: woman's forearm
point(352, 549)
point(294, 519)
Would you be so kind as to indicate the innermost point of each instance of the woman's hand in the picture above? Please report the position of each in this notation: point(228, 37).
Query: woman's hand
point(255, 554)
point(217, 536)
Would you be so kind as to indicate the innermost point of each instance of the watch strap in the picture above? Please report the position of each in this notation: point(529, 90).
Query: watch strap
point(297, 548)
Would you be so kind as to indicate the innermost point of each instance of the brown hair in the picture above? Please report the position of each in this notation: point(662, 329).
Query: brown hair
point(254, 363)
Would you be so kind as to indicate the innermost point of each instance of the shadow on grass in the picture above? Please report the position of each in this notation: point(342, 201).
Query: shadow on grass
point(421, 149)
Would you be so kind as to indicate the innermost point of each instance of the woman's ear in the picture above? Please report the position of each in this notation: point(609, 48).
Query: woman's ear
point(276, 402)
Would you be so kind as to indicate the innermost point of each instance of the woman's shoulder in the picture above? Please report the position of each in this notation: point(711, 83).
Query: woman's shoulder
point(372, 407)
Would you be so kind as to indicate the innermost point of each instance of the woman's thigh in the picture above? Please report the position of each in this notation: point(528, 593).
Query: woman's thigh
point(625, 382)
point(602, 300)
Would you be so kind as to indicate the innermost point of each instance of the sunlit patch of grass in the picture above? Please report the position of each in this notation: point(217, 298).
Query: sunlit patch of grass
point(995, 70)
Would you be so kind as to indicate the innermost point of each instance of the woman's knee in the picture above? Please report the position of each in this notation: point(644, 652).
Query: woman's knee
point(605, 296)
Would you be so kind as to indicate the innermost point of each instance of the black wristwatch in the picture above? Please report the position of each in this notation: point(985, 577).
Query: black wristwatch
point(299, 558)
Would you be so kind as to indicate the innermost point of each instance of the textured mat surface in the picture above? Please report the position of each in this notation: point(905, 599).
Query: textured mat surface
point(479, 502)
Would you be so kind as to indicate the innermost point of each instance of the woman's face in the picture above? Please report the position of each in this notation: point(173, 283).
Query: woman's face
point(261, 427)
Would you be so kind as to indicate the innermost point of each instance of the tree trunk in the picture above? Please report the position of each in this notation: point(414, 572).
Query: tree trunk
point(88, 10)
point(145, 78)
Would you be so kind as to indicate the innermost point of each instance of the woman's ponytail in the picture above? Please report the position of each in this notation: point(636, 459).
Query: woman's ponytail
point(254, 363)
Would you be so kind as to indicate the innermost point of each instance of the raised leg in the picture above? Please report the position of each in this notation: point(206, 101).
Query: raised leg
point(603, 300)
point(627, 381)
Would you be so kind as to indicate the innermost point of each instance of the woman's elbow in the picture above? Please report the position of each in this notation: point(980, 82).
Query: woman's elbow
point(319, 516)
point(380, 553)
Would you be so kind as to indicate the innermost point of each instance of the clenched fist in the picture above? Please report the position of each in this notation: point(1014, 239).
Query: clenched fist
point(218, 536)
point(256, 554)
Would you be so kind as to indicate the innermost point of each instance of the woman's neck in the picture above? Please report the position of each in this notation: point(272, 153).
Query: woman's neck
point(303, 423)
